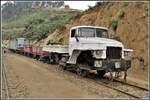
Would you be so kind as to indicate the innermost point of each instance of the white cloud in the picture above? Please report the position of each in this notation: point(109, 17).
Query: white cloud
point(82, 5)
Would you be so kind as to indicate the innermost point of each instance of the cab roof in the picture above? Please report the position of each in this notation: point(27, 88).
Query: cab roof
point(82, 26)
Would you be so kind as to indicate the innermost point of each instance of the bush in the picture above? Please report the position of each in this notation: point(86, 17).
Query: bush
point(121, 15)
point(125, 3)
point(99, 4)
point(77, 16)
point(114, 24)
point(141, 60)
point(90, 8)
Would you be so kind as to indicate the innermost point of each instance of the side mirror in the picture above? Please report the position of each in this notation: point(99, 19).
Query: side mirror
point(76, 37)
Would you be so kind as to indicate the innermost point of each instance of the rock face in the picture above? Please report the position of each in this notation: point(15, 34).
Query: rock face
point(131, 28)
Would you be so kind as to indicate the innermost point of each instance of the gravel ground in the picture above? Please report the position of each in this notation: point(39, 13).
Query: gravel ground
point(3, 90)
point(29, 78)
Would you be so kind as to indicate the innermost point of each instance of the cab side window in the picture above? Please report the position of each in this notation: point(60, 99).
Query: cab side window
point(73, 32)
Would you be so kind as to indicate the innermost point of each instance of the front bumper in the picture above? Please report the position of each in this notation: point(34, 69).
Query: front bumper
point(114, 65)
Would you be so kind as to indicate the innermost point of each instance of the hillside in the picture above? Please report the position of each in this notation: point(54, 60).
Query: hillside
point(22, 20)
point(127, 22)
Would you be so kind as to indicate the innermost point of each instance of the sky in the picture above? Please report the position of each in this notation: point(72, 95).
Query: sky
point(81, 5)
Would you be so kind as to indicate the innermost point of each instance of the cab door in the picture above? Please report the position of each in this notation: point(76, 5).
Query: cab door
point(72, 40)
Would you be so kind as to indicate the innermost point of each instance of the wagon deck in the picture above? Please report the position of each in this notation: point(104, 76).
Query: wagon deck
point(56, 48)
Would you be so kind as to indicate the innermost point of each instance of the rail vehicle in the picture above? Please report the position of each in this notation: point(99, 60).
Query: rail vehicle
point(89, 49)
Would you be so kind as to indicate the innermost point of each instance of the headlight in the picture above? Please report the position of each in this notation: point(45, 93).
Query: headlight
point(128, 52)
point(98, 63)
point(98, 52)
point(127, 55)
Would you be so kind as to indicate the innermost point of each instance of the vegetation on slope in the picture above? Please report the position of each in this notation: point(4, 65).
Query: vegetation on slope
point(34, 24)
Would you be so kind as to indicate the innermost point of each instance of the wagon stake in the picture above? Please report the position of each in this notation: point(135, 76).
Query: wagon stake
point(125, 76)
point(111, 76)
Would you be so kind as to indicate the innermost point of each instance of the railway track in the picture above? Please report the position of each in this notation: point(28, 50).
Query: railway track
point(130, 84)
point(125, 88)
point(5, 90)
point(128, 89)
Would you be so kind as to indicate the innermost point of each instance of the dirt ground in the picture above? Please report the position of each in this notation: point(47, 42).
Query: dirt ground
point(29, 78)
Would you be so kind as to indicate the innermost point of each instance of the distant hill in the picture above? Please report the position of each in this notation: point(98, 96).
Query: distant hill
point(47, 4)
point(11, 10)
point(33, 20)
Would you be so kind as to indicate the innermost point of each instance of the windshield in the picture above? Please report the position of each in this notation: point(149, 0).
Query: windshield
point(101, 33)
point(92, 32)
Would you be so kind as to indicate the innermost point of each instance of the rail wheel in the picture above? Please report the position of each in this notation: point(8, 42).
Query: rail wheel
point(63, 67)
point(82, 72)
point(101, 73)
point(56, 58)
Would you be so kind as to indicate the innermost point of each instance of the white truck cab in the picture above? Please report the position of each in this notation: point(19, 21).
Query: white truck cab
point(90, 47)
point(91, 38)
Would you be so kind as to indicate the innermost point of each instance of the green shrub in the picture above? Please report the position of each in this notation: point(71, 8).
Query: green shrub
point(141, 60)
point(114, 24)
point(125, 3)
point(115, 21)
point(121, 14)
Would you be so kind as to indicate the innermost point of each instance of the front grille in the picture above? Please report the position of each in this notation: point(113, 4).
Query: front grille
point(113, 52)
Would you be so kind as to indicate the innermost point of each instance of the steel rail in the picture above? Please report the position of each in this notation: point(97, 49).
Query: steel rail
point(5, 77)
point(126, 83)
point(105, 84)
point(111, 87)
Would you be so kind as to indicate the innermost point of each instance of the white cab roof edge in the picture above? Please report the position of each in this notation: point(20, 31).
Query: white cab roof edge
point(75, 27)
point(130, 50)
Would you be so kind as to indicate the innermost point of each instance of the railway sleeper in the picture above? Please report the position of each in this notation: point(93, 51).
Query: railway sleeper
point(82, 72)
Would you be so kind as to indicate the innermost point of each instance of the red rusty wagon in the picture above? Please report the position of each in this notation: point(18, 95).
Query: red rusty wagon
point(27, 50)
point(38, 53)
